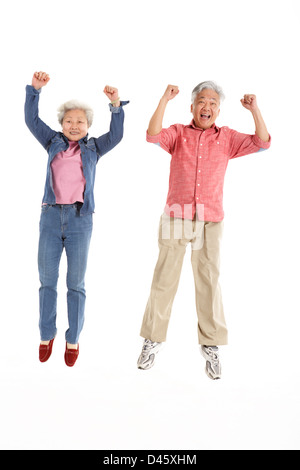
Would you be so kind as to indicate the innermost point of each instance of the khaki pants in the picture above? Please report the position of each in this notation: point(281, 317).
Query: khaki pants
point(174, 236)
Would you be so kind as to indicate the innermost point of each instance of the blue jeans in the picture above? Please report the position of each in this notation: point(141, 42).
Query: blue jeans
point(61, 226)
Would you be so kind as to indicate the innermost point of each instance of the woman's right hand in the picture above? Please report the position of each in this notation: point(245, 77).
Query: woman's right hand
point(40, 79)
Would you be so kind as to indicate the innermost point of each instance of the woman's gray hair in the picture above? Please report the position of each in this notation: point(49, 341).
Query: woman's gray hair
point(74, 104)
point(204, 85)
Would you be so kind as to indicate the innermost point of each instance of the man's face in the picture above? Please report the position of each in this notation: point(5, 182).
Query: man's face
point(206, 108)
point(75, 125)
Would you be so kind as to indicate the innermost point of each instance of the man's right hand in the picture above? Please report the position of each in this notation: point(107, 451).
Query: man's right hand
point(171, 92)
point(40, 79)
point(155, 124)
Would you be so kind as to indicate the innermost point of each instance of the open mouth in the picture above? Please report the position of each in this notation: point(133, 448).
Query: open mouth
point(205, 116)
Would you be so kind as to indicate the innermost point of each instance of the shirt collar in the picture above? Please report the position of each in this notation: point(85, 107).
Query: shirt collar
point(213, 128)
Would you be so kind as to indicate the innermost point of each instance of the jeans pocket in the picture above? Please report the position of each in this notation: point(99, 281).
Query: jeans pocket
point(45, 208)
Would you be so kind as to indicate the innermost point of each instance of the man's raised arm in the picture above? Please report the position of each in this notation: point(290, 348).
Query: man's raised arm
point(249, 102)
point(155, 124)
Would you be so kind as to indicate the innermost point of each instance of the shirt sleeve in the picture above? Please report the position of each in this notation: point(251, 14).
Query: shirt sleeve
point(244, 144)
point(166, 139)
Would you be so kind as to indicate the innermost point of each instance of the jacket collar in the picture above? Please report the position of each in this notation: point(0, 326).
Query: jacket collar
point(83, 140)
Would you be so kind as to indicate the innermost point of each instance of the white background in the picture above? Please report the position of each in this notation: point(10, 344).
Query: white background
point(104, 402)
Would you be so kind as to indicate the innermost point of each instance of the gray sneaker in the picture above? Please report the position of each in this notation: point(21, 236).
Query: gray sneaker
point(213, 366)
point(149, 351)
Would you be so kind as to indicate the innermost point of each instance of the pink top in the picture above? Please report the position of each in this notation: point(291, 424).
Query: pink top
point(198, 166)
point(67, 173)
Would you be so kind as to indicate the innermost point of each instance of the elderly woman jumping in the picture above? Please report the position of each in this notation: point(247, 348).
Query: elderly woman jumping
point(67, 206)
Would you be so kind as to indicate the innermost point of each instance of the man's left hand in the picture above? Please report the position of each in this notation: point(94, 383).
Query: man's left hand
point(249, 102)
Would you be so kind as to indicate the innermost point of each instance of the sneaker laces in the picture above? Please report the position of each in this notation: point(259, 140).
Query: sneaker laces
point(214, 355)
point(148, 344)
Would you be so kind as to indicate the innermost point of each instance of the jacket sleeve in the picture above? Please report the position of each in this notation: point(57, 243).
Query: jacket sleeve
point(39, 129)
point(108, 141)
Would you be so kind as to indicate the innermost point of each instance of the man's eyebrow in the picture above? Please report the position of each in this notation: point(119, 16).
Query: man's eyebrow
point(201, 97)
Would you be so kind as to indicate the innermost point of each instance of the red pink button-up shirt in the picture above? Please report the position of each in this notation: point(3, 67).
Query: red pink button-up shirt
point(198, 165)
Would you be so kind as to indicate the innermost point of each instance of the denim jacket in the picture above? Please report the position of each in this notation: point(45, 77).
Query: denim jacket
point(91, 149)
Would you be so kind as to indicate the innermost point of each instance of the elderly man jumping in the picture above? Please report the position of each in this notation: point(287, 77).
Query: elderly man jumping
point(194, 214)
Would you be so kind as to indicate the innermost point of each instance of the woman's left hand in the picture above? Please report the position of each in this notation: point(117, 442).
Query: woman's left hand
point(112, 94)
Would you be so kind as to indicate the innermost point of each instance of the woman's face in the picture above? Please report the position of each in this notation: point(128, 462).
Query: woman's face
point(75, 125)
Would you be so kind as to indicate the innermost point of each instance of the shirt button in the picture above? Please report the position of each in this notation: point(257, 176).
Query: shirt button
point(198, 184)
point(218, 143)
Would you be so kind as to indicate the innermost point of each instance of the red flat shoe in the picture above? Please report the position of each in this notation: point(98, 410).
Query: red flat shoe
point(45, 351)
point(71, 356)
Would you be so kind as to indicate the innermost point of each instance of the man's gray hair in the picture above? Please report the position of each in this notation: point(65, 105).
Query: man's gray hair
point(204, 85)
point(74, 104)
